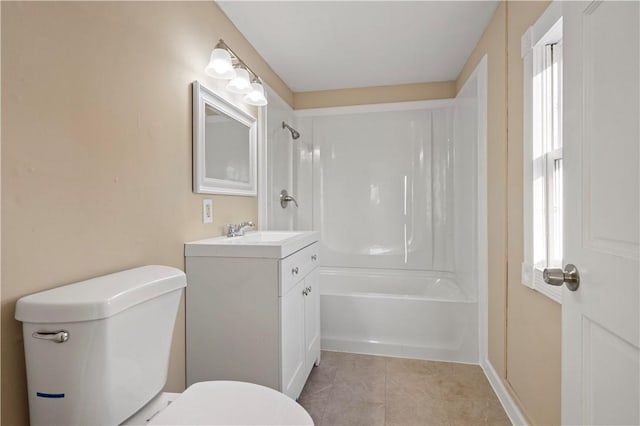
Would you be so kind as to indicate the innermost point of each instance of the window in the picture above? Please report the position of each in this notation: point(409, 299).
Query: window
point(542, 57)
point(547, 157)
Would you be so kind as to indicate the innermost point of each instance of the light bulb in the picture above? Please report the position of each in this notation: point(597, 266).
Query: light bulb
point(241, 83)
point(256, 96)
point(220, 65)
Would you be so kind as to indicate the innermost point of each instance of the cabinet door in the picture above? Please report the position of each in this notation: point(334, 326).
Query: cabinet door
point(293, 344)
point(312, 318)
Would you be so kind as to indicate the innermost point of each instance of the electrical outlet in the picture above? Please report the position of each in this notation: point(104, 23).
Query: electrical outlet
point(207, 210)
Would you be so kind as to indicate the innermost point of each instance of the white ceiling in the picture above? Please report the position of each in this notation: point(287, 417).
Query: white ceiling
point(316, 45)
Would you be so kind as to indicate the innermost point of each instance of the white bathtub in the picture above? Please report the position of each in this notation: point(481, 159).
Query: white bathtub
point(411, 314)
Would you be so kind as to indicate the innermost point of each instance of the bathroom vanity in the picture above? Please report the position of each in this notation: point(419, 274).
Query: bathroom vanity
point(253, 309)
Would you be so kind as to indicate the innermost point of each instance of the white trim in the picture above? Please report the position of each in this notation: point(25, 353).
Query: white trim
point(509, 405)
point(526, 43)
point(527, 165)
point(263, 140)
point(358, 109)
point(482, 239)
point(550, 18)
point(546, 21)
point(552, 292)
point(526, 274)
point(479, 77)
point(547, 29)
point(263, 144)
point(203, 97)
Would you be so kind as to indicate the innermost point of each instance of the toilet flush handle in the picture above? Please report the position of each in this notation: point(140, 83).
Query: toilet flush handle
point(55, 336)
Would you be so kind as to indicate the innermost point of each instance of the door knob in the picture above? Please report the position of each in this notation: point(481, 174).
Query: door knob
point(556, 276)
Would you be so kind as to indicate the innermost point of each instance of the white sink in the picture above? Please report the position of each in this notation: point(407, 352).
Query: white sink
point(265, 244)
point(265, 237)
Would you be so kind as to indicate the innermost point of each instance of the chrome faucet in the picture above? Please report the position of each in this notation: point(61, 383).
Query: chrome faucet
point(238, 230)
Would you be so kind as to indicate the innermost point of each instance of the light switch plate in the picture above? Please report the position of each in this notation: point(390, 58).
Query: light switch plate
point(207, 210)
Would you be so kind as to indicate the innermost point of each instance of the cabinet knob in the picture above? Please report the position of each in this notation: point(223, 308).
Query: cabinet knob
point(314, 257)
point(309, 289)
point(305, 292)
point(294, 271)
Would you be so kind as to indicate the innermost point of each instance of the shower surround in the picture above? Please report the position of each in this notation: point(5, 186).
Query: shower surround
point(391, 189)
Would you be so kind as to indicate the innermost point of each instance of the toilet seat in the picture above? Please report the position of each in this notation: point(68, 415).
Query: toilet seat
point(232, 403)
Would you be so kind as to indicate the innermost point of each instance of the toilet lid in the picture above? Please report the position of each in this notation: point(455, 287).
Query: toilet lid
point(232, 403)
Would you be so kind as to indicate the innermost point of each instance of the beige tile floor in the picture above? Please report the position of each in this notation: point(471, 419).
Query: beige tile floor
point(350, 389)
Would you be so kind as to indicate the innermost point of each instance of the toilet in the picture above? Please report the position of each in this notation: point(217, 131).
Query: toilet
point(97, 353)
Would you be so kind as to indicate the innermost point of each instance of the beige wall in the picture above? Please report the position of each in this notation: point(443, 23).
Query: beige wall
point(96, 166)
point(96, 150)
point(493, 44)
point(527, 352)
point(375, 95)
point(533, 320)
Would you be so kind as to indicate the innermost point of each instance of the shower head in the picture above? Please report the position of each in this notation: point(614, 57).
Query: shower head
point(294, 133)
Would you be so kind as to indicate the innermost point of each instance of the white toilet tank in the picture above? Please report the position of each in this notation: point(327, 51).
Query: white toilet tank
point(98, 350)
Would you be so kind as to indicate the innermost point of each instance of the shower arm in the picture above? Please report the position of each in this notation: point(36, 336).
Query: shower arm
point(294, 133)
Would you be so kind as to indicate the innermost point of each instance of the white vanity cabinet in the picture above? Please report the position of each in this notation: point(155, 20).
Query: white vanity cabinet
point(253, 309)
point(300, 314)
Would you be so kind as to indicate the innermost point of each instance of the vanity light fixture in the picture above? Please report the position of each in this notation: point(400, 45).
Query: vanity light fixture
point(225, 64)
point(256, 96)
point(241, 83)
point(220, 65)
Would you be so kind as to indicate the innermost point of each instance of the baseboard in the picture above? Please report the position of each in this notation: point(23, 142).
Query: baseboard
point(509, 405)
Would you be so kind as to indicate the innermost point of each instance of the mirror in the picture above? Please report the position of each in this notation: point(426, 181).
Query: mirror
point(224, 146)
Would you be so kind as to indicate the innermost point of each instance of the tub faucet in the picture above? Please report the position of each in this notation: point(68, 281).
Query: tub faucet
point(238, 230)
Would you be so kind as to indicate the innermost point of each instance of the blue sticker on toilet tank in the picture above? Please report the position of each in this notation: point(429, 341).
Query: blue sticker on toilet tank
point(49, 395)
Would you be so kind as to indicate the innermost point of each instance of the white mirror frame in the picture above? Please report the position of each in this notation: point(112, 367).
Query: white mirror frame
point(206, 185)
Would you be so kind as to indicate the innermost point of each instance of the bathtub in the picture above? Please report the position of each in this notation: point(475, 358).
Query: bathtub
point(411, 314)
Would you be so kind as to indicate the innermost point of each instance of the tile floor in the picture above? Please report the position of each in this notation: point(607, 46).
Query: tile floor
point(350, 389)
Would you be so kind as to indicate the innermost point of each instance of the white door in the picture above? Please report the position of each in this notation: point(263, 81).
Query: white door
point(312, 318)
point(293, 345)
point(601, 320)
